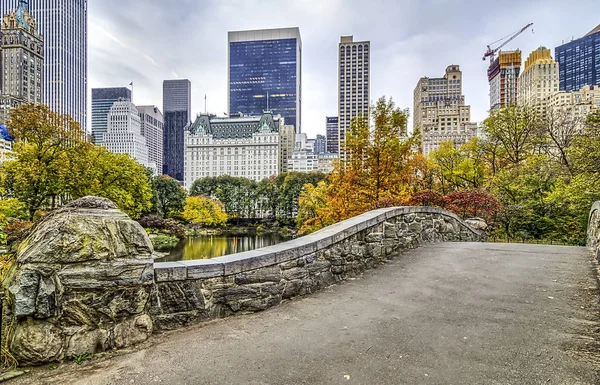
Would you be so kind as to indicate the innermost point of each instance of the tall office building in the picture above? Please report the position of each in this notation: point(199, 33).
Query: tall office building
point(152, 129)
point(332, 133)
point(539, 78)
point(63, 24)
point(286, 145)
point(354, 86)
point(265, 73)
point(579, 62)
point(124, 132)
point(177, 106)
point(20, 42)
point(320, 146)
point(503, 75)
point(440, 111)
point(102, 101)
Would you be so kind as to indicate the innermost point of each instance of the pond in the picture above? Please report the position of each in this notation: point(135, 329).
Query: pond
point(212, 246)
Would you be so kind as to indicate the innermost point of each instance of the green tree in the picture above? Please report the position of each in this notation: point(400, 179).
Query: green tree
point(204, 211)
point(516, 130)
point(313, 208)
point(168, 196)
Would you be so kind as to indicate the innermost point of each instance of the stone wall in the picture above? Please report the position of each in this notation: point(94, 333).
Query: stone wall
point(192, 291)
point(593, 230)
point(80, 284)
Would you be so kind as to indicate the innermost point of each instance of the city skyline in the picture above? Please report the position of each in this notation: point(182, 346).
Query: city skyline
point(122, 48)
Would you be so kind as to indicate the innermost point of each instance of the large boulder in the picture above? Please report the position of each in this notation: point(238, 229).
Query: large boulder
point(81, 284)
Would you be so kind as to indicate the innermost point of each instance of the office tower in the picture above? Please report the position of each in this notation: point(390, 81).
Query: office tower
point(579, 62)
point(177, 106)
point(265, 73)
point(539, 78)
point(152, 129)
point(503, 75)
point(63, 24)
point(286, 146)
point(320, 144)
point(124, 132)
point(102, 101)
point(354, 86)
point(236, 146)
point(20, 42)
point(332, 127)
point(440, 112)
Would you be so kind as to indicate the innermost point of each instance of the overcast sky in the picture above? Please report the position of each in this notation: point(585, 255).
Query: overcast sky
point(147, 41)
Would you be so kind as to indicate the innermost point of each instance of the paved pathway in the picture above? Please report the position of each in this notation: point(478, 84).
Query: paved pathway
point(453, 313)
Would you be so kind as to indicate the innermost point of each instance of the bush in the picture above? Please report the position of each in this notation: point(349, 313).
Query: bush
point(16, 231)
point(169, 226)
point(164, 242)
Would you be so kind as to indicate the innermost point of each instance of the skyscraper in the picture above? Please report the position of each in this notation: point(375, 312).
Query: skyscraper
point(440, 111)
point(354, 85)
point(332, 132)
point(63, 24)
point(539, 78)
point(503, 75)
point(102, 101)
point(20, 40)
point(123, 135)
point(152, 129)
point(579, 62)
point(177, 106)
point(265, 73)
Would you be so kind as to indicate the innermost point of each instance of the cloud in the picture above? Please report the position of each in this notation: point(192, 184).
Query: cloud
point(152, 40)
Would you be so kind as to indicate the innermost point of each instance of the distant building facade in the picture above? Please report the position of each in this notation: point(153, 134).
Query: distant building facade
point(579, 104)
point(353, 84)
point(64, 26)
point(503, 75)
point(286, 146)
point(539, 78)
point(320, 146)
point(152, 123)
point(102, 101)
point(124, 132)
point(332, 131)
point(579, 62)
point(177, 106)
point(440, 112)
point(237, 146)
point(20, 42)
point(265, 73)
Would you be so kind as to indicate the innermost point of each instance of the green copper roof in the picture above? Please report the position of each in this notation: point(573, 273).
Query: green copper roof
point(20, 13)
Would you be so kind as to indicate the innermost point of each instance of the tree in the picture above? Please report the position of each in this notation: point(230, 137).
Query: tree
point(562, 126)
point(168, 195)
point(380, 166)
point(313, 209)
point(473, 203)
point(44, 145)
point(461, 168)
point(516, 130)
point(204, 211)
point(117, 177)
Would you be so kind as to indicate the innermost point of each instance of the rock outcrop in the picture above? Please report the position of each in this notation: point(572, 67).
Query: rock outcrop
point(81, 284)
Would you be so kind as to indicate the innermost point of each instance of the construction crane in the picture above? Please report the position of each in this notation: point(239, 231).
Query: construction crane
point(491, 53)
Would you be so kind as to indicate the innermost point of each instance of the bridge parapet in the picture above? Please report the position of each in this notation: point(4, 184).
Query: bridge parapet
point(192, 291)
point(593, 230)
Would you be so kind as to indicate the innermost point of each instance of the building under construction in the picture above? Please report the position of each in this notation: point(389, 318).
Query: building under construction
point(503, 75)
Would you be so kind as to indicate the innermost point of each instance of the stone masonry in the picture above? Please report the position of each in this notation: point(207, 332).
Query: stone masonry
point(81, 284)
point(192, 291)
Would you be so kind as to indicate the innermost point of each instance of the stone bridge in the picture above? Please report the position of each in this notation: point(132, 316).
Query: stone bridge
point(426, 302)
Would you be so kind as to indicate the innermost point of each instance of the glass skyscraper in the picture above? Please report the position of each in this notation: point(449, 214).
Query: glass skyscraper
point(579, 62)
point(63, 23)
point(177, 106)
point(102, 101)
point(265, 73)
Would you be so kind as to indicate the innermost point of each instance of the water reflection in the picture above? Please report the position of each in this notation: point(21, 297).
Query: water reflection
point(211, 246)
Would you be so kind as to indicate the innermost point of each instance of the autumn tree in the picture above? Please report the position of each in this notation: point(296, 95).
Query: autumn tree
point(314, 212)
point(44, 144)
point(379, 168)
point(204, 211)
